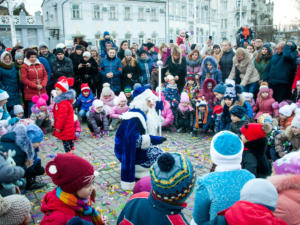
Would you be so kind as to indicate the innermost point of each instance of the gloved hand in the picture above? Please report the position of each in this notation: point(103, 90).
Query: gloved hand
point(13, 121)
point(159, 105)
point(77, 134)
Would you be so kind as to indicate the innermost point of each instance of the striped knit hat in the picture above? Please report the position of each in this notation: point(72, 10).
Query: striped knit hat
point(172, 177)
point(64, 83)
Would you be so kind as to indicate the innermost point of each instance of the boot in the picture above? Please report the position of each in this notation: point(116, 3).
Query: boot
point(32, 184)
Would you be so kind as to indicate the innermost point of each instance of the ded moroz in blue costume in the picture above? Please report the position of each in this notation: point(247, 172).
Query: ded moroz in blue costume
point(134, 146)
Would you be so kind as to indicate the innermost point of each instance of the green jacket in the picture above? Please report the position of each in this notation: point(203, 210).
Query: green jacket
point(260, 67)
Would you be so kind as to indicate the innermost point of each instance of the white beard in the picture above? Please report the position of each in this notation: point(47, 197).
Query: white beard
point(152, 122)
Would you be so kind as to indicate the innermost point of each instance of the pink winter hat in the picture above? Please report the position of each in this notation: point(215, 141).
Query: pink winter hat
point(40, 101)
point(121, 97)
point(184, 98)
point(289, 164)
point(142, 185)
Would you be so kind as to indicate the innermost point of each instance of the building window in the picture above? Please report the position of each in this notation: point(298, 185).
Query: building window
point(75, 11)
point(112, 13)
point(127, 13)
point(171, 11)
point(184, 14)
point(153, 14)
point(177, 9)
point(141, 14)
point(141, 38)
point(96, 12)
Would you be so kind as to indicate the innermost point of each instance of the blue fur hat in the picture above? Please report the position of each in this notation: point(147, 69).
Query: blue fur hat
point(220, 88)
point(138, 91)
point(34, 133)
point(172, 177)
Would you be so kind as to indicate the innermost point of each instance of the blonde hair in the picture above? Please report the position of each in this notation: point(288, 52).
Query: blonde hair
point(163, 45)
point(176, 50)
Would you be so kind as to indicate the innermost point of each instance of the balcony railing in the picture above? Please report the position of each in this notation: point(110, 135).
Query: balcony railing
point(22, 19)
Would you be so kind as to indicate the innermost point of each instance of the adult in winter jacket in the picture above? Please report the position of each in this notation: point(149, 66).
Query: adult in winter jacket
point(281, 70)
point(262, 59)
point(176, 65)
point(44, 52)
point(88, 71)
point(244, 72)
point(77, 58)
point(193, 62)
point(9, 80)
point(34, 78)
point(145, 66)
point(61, 66)
point(111, 71)
point(210, 70)
point(226, 60)
point(131, 70)
point(286, 180)
point(123, 47)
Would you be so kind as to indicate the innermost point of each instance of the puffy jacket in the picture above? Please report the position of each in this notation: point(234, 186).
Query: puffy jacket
point(226, 63)
point(261, 67)
point(50, 57)
point(281, 68)
point(248, 73)
point(32, 75)
point(85, 102)
point(103, 41)
point(9, 82)
point(61, 68)
point(117, 111)
point(171, 94)
point(167, 114)
point(214, 73)
point(194, 66)
point(288, 205)
point(265, 105)
point(143, 208)
point(146, 69)
point(64, 116)
point(96, 118)
point(297, 77)
point(208, 94)
point(285, 136)
point(114, 66)
point(47, 66)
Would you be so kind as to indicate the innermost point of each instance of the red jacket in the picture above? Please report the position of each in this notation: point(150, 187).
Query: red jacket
point(64, 116)
point(247, 213)
point(297, 77)
point(31, 76)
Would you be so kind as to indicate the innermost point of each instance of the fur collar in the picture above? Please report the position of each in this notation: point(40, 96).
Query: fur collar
point(28, 63)
point(285, 182)
point(289, 133)
point(172, 86)
point(244, 62)
point(68, 95)
point(194, 63)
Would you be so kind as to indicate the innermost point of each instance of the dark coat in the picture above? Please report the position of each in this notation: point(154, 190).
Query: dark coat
point(96, 118)
point(145, 68)
point(114, 65)
point(255, 159)
point(88, 74)
point(132, 68)
point(236, 127)
point(282, 67)
point(61, 68)
point(187, 116)
point(177, 69)
point(226, 63)
point(76, 60)
point(9, 82)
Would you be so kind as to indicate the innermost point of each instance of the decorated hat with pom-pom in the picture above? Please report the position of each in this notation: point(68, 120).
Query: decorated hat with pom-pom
point(106, 91)
point(264, 87)
point(85, 87)
point(40, 101)
point(64, 83)
point(122, 97)
point(255, 131)
point(172, 177)
point(70, 172)
point(184, 98)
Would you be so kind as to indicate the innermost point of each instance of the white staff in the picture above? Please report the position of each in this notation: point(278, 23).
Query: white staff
point(160, 64)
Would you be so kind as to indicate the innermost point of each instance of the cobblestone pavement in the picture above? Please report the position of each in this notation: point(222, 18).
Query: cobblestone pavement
point(100, 152)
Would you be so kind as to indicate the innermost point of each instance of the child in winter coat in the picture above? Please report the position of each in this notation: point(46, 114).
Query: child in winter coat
point(164, 204)
point(171, 93)
point(4, 115)
point(255, 159)
point(286, 115)
point(97, 120)
point(264, 102)
point(77, 127)
point(74, 194)
point(210, 70)
point(63, 113)
point(118, 110)
point(128, 94)
point(203, 117)
point(84, 101)
point(292, 135)
point(166, 113)
point(296, 92)
point(207, 92)
point(192, 88)
point(40, 113)
point(108, 98)
point(19, 111)
point(286, 180)
point(238, 119)
point(217, 115)
point(219, 92)
point(184, 114)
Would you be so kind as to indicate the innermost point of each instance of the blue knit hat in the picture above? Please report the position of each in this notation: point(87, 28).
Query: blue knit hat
point(105, 33)
point(34, 133)
point(3, 95)
point(238, 111)
point(172, 177)
point(226, 149)
point(220, 88)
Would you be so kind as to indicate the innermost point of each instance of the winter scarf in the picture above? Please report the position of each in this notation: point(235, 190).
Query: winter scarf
point(81, 207)
point(204, 119)
point(172, 86)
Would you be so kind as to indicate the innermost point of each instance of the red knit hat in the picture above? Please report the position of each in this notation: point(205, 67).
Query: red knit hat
point(85, 87)
point(70, 172)
point(64, 83)
point(253, 131)
point(218, 109)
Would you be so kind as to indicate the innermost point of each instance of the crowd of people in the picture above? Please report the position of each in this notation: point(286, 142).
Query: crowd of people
point(248, 97)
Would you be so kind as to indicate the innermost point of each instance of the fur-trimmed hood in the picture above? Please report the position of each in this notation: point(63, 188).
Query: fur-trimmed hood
point(28, 63)
point(244, 62)
point(214, 63)
point(285, 182)
point(68, 95)
point(194, 63)
point(289, 133)
point(269, 97)
point(206, 81)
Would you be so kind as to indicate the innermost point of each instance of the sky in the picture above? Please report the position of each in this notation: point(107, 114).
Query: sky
point(283, 13)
